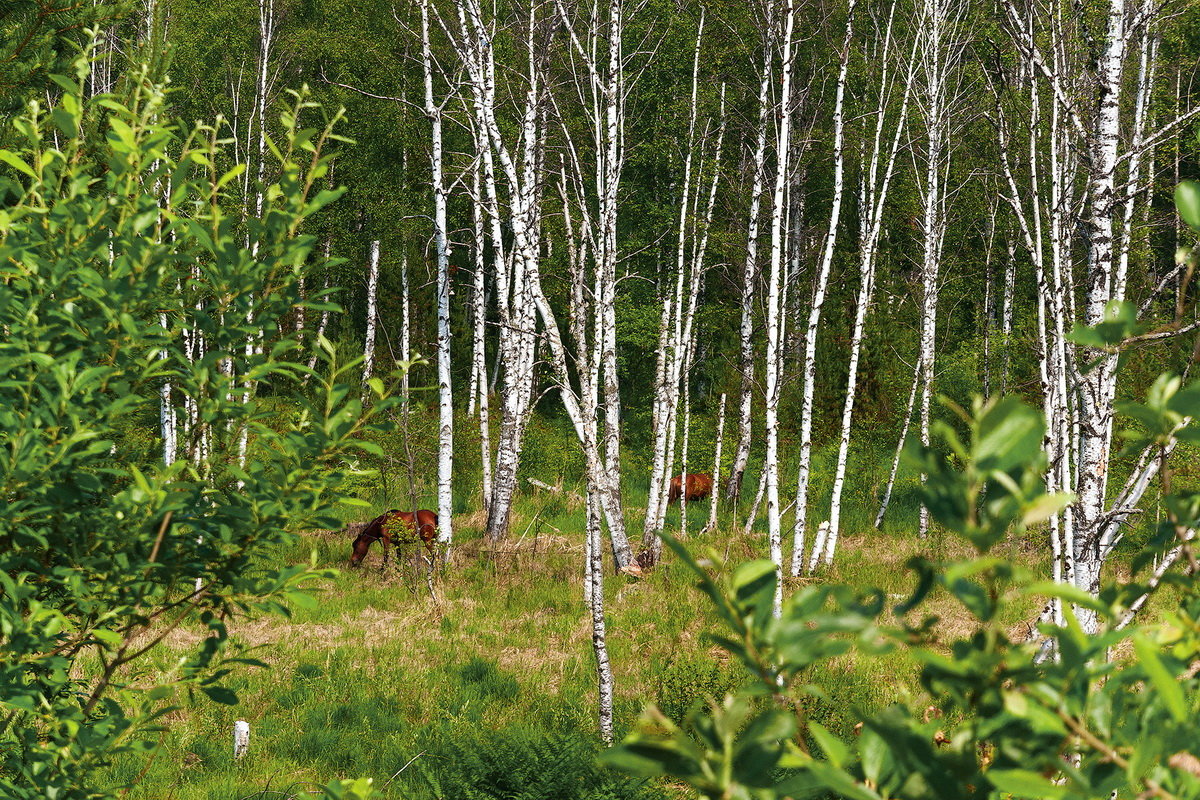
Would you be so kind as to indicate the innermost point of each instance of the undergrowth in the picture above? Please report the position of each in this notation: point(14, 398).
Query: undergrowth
point(486, 689)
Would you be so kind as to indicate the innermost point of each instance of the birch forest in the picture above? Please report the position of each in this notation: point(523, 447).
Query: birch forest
point(616, 275)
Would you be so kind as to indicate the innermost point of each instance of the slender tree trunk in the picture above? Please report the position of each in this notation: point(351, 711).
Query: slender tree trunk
point(938, 58)
point(814, 314)
point(908, 415)
point(716, 471)
point(595, 598)
point(872, 205)
point(479, 355)
point(1098, 385)
point(372, 315)
point(771, 462)
point(441, 246)
point(515, 302)
point(167, 410)
point(675, 330)
point(750, 271)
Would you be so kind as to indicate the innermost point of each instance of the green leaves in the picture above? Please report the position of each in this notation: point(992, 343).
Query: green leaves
point(1024, 783)
point(1187, 201)
point(992, 483)
point(104, 291)
point(996, 720)
point(1119, 323)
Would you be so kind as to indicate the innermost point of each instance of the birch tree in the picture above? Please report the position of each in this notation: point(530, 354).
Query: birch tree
point(820, 286)
point(479, 377)
point(1080, 379)
point(774, 267)
point(878, 168)
point(442, 248)
point(594, 583)
point(372, 314)
point(600, 77)
point(678, 314)
point(515, 266)
point(750, 273)
point(941, 46)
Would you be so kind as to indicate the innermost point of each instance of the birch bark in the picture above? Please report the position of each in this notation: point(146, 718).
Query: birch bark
point(876, 187)
point(750, 268)
point(938, 56)
point(433, 111)
point(1090, 73)
point(677, 320)
point(595, 598)
point(771, 424)
point(372, 315)
point(814, 315)
point(517, 330)
point(716, 470)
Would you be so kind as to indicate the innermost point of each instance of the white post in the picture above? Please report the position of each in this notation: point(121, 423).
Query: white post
point(241, 738)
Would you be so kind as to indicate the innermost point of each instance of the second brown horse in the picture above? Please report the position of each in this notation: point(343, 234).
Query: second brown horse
point(699, 486)
point(395, 525)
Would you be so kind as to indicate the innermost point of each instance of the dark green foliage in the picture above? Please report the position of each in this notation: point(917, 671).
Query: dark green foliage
point(40, 38)
point(483, 682)
point(524, 764)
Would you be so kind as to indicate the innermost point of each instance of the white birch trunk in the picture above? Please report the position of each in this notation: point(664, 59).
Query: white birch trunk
point(908, 415)
point(595, 601)
point(938, 57)
point(372, 315)
point(322, 324)
point(716, 470)
point(405, 324)
point(750, 271)
point(515, 304)
point(814, 314)
point(167, 410)
point(873, 202)
point(433, 111)
point(673, 336)
point(479, 353)
point(775, 264)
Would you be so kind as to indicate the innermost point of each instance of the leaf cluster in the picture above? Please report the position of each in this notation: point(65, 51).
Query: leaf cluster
point(1004, 720)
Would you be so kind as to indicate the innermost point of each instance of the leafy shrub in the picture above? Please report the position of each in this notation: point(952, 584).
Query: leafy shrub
point(1007, 722)
point(106, 549)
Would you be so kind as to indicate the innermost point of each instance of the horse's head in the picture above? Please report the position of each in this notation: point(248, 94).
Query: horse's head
point(363, 537)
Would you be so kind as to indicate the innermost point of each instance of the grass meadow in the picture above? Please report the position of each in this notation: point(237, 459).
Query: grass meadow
point(482, 684)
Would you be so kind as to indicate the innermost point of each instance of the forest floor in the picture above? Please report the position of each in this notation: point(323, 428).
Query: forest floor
point(485, 686)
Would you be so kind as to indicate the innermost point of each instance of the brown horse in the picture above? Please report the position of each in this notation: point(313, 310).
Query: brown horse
point(699, 486)
point(395, 525)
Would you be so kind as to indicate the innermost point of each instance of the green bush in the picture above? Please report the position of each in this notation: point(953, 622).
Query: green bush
point(111, 248)
point(1005, 720)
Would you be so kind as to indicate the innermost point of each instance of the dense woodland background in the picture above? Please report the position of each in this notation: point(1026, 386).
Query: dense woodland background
point(634, 239)
point(600, 225)
point(989, 337)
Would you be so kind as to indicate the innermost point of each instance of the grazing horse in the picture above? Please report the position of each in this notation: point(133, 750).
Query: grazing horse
point(398, 525)
point(699, 486)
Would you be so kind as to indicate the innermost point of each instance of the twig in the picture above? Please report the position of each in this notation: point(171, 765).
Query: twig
point(397, 772)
